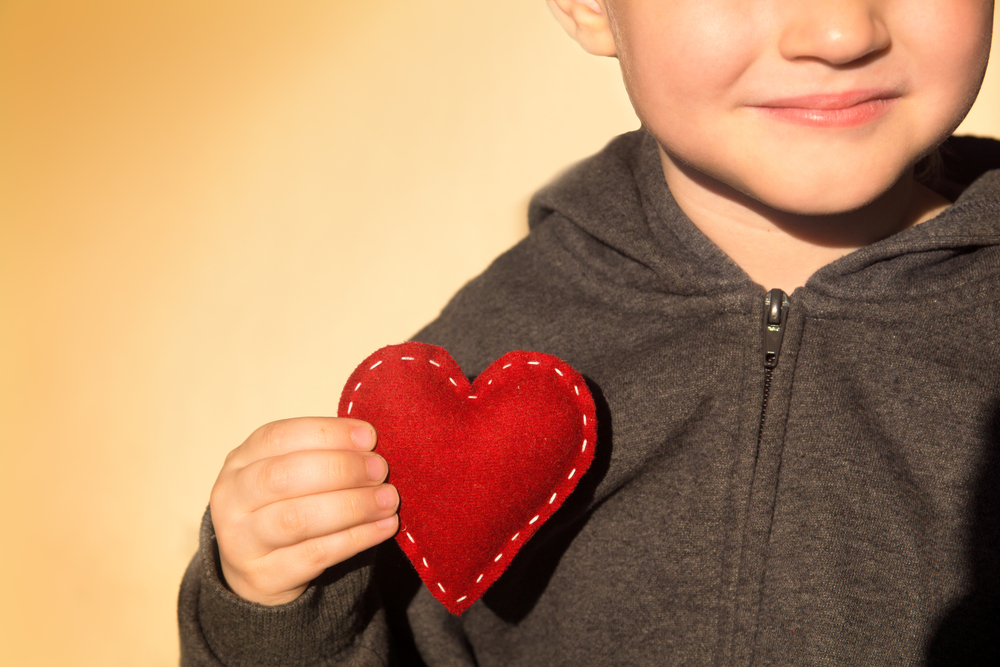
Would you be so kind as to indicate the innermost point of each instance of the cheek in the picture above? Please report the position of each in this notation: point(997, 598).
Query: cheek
point(948, 44)
point(678, 58)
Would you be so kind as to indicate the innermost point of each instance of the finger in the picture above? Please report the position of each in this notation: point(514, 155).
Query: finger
point(305, 473)
point(293, 567)
point(296, 520)
point(290, 435)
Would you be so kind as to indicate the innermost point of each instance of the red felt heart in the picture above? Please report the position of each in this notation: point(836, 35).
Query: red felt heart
point(480, 467)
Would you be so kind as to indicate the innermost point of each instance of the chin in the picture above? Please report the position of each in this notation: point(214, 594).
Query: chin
point(822, 195)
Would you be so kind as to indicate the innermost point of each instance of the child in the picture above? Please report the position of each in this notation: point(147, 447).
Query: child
point(792, 342)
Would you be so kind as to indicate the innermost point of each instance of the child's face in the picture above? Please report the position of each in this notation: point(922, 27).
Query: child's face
point(809, 106)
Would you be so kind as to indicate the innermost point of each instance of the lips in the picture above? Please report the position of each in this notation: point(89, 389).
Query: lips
point(847, 109)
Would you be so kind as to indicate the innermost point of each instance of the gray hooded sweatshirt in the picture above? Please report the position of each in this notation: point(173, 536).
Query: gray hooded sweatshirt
point(827, 493)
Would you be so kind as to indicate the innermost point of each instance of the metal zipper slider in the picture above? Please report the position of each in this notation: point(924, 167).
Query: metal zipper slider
point(775, 315)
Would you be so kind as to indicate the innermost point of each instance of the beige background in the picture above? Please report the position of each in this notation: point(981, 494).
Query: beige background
point(209, 213)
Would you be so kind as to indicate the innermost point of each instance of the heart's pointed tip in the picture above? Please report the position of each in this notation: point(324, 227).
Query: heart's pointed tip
point(457, 608)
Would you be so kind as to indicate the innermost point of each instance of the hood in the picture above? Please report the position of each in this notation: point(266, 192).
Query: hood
point(619, 200)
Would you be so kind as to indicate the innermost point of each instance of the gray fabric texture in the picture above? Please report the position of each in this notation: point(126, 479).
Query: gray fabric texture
point(858, 523)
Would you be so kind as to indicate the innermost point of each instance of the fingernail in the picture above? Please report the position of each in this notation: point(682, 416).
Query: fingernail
point(386, 497)
point(377, 467)
point(363, 436)
point(386, 524)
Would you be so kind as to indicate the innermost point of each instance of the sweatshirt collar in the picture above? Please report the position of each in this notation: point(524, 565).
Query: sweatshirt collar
point(620, 199)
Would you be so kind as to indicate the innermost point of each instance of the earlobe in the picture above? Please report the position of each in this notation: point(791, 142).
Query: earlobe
point(587, 22)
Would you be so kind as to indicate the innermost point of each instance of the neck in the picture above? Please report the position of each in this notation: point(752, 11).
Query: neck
point(781, 249)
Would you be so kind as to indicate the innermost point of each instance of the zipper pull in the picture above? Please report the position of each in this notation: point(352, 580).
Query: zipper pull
point(775, 315)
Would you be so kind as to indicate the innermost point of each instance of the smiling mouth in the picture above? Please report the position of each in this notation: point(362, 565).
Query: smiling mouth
point(850, 109)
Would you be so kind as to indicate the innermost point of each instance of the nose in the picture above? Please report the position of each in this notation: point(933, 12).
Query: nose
point(837, 32)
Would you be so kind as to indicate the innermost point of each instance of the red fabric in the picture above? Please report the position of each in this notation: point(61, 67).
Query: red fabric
point(478, 468)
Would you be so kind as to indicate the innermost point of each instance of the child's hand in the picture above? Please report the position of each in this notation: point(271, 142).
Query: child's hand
point(297, 497)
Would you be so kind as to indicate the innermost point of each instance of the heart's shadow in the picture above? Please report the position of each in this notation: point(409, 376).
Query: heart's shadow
point(517, 591)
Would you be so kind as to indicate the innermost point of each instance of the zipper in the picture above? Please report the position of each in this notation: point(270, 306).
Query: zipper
point(755, 538)
point(749, 575)
point(775, 316)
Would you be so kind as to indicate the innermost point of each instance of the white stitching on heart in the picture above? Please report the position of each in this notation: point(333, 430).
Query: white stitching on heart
point(534, 519)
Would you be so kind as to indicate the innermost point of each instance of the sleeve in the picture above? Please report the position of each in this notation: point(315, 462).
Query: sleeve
point(338, 620)
point(372, 609)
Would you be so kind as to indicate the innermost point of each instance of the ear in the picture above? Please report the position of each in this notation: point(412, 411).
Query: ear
point(587, 22)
